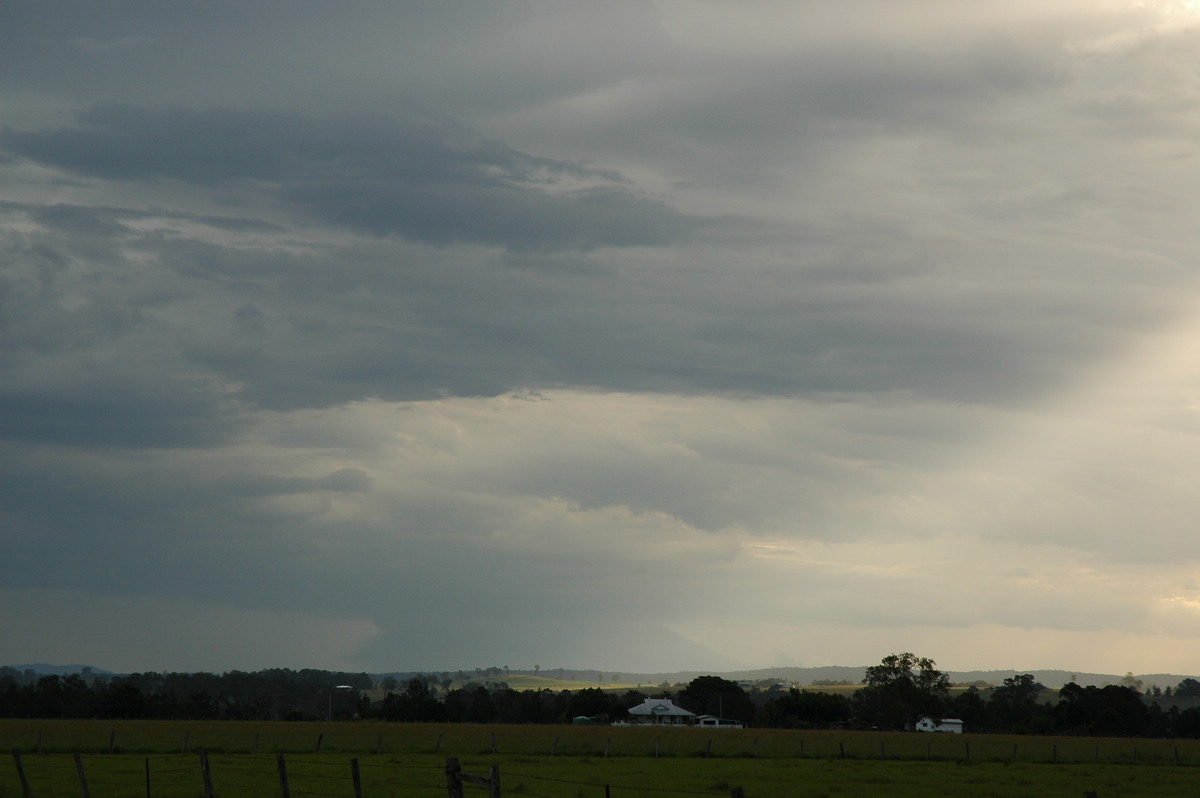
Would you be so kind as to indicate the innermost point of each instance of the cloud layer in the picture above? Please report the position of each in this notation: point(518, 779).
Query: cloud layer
point(644, 336)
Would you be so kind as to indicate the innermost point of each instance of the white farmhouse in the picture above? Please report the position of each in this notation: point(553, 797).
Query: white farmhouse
point(944, 726)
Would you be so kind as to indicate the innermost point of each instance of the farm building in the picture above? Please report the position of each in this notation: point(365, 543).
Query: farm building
point(944, 725)
point(713, 722)
point(660, 710)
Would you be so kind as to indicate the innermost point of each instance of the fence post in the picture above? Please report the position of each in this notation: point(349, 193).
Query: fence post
point(254, 745)
point(39, 745)
point(756, 748)
point(454, 787)
point(494, 781)
point(737, 792)
point(554, 748)
point(281, 766)
point(356, 778)
point(206, 774)
point(184, 744)
point(379, 743)
point(708, 749)
point(83, 785)
point(608, 742)
point(147, 777)
point(320, 739)
point(25, 791)
point(493, 742)
point(112, 740)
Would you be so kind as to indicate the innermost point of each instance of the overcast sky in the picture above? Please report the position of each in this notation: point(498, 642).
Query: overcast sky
point(624, 335)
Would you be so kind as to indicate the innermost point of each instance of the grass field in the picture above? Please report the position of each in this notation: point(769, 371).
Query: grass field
point(576, 762)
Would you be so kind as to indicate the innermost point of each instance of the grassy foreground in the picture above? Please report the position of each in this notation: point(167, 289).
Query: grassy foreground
point(149, 758)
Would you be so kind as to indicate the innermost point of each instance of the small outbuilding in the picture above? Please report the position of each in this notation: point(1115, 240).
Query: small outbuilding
point(942, 725)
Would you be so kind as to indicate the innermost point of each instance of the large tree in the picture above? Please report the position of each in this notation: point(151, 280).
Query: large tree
point(899, 690)
point(712, 695)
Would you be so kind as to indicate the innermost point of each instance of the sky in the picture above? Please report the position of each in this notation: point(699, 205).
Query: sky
point(635, 336)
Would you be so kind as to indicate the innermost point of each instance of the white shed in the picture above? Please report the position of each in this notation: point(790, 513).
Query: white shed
point(943, 725)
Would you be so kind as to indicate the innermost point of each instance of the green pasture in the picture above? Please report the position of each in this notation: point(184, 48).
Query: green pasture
point(575, 761)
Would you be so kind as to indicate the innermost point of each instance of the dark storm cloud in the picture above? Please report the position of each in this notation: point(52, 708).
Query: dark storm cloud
point(425, 178)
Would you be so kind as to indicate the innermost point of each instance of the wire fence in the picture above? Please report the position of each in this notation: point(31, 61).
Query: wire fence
point(164, 760)
point(295, 776)
point(244, 737)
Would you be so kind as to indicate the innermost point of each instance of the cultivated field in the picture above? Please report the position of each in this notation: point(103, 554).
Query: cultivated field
point(163, 758)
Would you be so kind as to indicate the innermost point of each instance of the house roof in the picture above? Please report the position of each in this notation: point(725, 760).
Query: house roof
point(660, 707)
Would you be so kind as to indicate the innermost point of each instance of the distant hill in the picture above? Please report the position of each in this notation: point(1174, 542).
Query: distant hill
point(44, 669)
point(1052, 679)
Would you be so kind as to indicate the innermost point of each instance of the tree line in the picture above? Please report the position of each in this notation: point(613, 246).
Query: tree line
point(893, 696)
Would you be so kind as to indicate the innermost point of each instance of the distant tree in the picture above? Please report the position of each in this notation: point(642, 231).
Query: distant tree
point(901, 689)
point(1112, 711)
point(1014, 705)
point(1131, 681)
point(805, 709)
point(969, 707)
point(712, 695)
point(1188, 688)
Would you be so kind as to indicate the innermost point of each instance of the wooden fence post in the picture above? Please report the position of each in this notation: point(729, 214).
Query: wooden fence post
point(206, 774)
point(379, 743)
point(147, 777)
point(657, 745)
point(184, 744)
point(25, 791)
point(320, 739)
point(454, 787)
point(708, 749)
point(254, 745)
point(737, 792)
point(608, 742)
point(281, 766)
point(554, 748)
point(83, 785)
point(112, 740)
point(356, 778)
point(39, 745)
point(437, 749)
point(493, 742)
point(494, 779)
